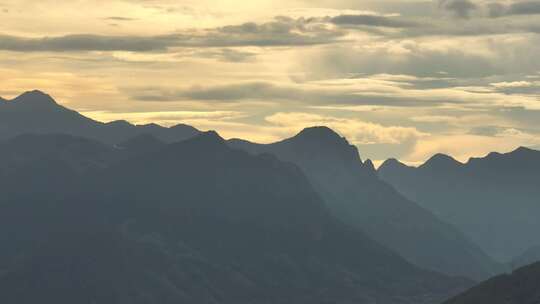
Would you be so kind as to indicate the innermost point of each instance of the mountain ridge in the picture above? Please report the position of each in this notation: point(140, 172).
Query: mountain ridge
point(353, 191)
point(502, 184)
point(37, 112)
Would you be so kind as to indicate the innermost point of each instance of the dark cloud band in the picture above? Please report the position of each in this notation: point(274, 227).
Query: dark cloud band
point(372, 20)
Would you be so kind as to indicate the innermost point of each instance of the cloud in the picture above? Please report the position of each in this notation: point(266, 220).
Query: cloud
point(345, 92)
point(337, 92)
point(433, 118)
point(496, 9)
point(513, 84)
point(518, 87)
point(486, 130)
point(372, 20)
point(229, 92)
point(282, 31)
point(516, 8)
point(460, 8)
point(86, 43)
point(117, 18)
point(525, 8)
point(226, 55)
point(165, 118)
point(438, 59)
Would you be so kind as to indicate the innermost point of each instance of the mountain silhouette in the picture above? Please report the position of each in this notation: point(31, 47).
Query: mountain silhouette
point(493, 199)
point(332, 165)
point(37, 112)
point(354, 194)
point(198, 222)
point(441, 162)
point(519, 287)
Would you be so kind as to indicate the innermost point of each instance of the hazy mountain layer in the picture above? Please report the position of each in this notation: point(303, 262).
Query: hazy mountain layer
point(192, 222)
point(494, 200)
point(354, 193)
point(530, 256)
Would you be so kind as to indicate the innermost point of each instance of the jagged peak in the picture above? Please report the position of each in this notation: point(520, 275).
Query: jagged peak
point(368, 165)
point(391, 163)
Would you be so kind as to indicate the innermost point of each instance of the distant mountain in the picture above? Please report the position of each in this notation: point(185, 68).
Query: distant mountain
point(37, 112)
point(520, 287)
point(494, 199)
point(139, 145)
point(197, 222)
point(530, 256)
point(355, 195)
point(35, 165)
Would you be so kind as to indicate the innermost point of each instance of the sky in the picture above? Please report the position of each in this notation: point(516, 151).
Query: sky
point(399, 78)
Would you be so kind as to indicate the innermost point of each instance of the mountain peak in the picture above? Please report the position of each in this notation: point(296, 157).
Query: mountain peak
point(35, 93)
point(120, 123)
point(391, 163)
point(323, 141)
point(369, 166)
point(521, 150)
point(441, 161)
point(182, 126)
point(34, 98)
point(318, 133)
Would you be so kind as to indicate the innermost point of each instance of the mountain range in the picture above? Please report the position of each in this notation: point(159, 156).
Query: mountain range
point(493, 200)
point(189, 222)
point(355, 194)
point(120, 213)
point(37, 112)
point(349, 187)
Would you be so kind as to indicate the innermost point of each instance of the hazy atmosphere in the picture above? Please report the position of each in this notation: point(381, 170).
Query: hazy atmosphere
point(402, 79)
